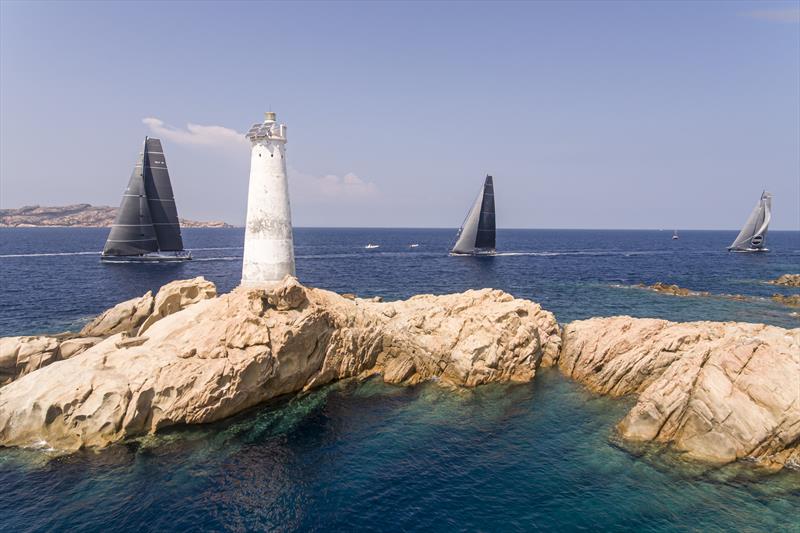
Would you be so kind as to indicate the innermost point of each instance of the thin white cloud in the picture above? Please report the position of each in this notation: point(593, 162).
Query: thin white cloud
point(791, 14)
point(323, 189)
point(196, 134)
point(305, 188)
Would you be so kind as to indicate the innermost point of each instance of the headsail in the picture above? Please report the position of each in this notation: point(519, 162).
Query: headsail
point(133, 232)
point(160, 197)
point(753, 237)
point(477, 234)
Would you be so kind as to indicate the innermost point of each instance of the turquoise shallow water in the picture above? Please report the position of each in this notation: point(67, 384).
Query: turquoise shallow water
point(538, 456)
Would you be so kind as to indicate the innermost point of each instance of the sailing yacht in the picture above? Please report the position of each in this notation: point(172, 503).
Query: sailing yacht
point(147, 228)
point(477, 233)
point(753, 237)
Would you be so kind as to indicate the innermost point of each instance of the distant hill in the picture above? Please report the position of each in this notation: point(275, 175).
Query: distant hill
point(78, 216)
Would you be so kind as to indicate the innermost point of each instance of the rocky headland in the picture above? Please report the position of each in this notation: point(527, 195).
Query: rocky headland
point(715, 392)
point(78, 216)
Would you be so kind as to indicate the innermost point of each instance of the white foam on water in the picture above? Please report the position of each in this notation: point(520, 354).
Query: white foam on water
point(233, 258)
point(49, 254)
point(218, 248)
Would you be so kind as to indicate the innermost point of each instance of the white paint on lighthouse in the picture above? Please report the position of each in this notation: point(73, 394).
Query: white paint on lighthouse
point(268, 245)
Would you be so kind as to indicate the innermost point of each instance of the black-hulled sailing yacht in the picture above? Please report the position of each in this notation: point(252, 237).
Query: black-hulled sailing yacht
point(147, 228)
point(477, 234)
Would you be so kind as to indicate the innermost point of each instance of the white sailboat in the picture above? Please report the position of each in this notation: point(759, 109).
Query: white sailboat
point(477, 234)
point(675, 235)
point(753, 237)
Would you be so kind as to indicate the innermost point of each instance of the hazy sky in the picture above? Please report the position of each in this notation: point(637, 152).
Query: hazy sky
point(589, 115)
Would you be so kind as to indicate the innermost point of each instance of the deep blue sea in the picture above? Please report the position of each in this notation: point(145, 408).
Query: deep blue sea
point(539, 456)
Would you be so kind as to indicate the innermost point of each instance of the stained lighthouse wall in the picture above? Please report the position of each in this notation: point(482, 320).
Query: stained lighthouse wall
point(268, 244)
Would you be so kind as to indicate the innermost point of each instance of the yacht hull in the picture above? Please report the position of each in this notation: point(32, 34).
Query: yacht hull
point(475, 253)
point(162, 257)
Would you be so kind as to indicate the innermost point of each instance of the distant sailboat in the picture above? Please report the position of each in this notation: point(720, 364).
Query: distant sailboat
point(477, 234)
point(675, 235)
point(147, 228)
point(753, 237)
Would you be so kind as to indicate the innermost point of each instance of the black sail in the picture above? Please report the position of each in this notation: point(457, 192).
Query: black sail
point(485, 238)
point(133, 232)
point(160, 198)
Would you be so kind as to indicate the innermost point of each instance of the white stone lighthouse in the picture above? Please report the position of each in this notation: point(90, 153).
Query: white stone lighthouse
point(268, 245)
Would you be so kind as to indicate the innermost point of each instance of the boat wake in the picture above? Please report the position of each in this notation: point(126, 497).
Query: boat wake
point(231, 258)
point(51, 254)
point(590, 253)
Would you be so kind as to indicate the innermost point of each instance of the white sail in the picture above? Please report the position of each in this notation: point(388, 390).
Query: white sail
point(469, 230)
point(753, 236)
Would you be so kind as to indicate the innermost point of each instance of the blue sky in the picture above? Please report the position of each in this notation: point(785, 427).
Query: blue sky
point(588, 114)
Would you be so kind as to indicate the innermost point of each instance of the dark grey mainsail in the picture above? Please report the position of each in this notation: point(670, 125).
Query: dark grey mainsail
point(160, 198)
point(753, 237)
point(477, 234)
point(147, 221)
point(133, 232)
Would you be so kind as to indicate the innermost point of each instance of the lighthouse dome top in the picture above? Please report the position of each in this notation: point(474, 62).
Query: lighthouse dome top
point(269, 130)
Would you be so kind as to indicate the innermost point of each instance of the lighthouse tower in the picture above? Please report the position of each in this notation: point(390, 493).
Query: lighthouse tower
point(268, 245)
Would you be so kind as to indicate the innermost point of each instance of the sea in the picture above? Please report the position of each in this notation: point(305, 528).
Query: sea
point(542, 456)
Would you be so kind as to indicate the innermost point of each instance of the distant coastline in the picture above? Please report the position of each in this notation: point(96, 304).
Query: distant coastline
point(77, 216)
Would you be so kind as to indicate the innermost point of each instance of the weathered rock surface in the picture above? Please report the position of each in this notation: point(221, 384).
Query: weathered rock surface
point(787, 280)
point(222, 355)
point(127, 316)
point(22, 355)
point(176, 295)
point(716, 391)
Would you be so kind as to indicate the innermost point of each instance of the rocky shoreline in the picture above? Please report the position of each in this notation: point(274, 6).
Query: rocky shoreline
point(76, 216)
point(787, 280)
point(715, 392)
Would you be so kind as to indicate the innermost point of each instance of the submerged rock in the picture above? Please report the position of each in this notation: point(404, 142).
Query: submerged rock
point(716, 391)
point(674, 290)
point(222, 355)
point(791, 300)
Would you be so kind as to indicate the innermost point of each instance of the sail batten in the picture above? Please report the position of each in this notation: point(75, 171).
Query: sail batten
point(160, 198)
point(753, 236)
point(477, 234)
point(133, 232)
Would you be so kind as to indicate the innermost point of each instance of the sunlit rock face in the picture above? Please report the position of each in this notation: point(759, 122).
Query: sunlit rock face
point(716, 391)
point(221, 355)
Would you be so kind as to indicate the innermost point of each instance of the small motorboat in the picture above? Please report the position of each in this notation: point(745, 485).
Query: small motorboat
point(371, 246)
point(413, 245)
point(675, 235)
